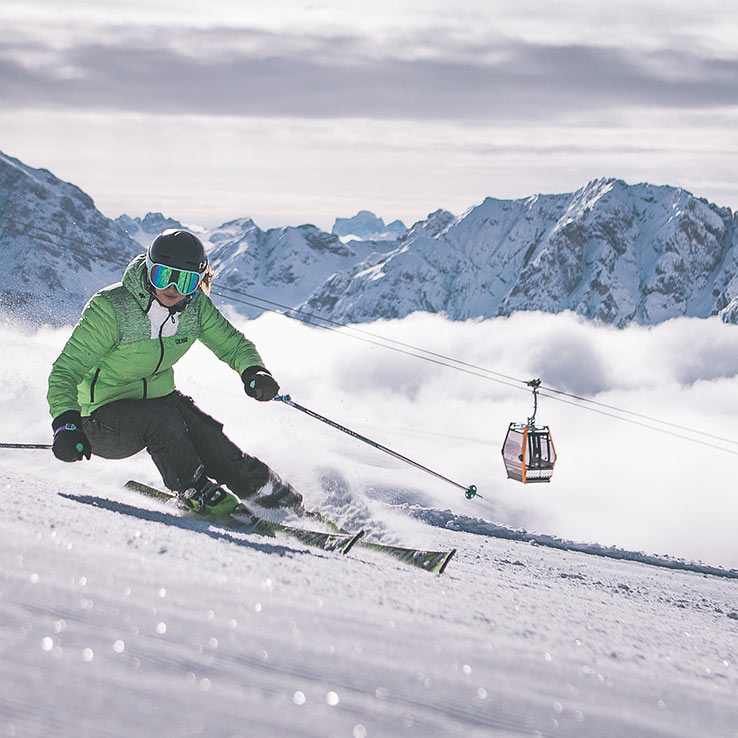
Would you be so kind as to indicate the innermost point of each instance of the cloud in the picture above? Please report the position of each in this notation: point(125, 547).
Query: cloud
point(616, 483)
point(259, 73)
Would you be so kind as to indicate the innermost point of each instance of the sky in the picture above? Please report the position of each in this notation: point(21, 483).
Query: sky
point(291, 112)
point(616, 483)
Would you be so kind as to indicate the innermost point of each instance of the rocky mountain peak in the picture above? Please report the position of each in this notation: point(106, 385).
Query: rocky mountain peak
point(366, 226)
point(609, 251)
point(145, 229)
point(56, 247)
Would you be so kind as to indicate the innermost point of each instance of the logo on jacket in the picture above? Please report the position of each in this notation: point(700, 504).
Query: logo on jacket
point(181, 340)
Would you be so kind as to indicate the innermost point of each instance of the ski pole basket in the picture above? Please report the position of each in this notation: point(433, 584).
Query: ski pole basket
point(528, 450)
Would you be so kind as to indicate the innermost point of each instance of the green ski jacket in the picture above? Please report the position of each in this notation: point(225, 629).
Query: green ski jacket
point(119, 351)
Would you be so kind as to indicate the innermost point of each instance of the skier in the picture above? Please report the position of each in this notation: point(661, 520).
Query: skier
point(112, 394)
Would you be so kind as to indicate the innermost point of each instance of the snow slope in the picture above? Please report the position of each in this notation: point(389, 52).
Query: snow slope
point(120, 617)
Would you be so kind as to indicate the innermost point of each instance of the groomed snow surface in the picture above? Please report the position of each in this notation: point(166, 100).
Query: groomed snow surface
point(121, 617)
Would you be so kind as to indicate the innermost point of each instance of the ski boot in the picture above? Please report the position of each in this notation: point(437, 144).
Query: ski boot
point(278, 494)
point(207, 498)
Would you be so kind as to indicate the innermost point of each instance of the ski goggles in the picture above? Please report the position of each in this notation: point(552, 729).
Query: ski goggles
point(162, 276)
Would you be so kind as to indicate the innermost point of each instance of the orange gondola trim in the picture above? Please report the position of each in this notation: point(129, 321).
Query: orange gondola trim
point(522, 452)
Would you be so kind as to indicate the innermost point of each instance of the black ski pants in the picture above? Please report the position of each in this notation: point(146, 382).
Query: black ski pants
point(180, 438)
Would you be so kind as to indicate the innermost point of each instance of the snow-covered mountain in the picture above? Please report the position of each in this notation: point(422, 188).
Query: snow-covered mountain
point(613, 252)
point(282, 265)
point(365, 226)
point(145, 229)
point(56, 248)
point(610, 251)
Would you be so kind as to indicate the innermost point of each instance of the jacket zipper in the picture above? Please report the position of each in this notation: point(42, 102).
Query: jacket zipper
point(161, 348)
point(92, 386)
point(161, 356)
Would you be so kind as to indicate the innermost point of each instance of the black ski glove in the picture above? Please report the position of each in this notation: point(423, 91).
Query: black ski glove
point(259, 383)
point(70, 442)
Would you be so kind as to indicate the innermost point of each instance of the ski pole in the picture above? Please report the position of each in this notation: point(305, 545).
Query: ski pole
point(470, 491)
point(25, 445)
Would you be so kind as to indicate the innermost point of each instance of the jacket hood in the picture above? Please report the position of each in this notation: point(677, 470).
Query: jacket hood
point(135, 281)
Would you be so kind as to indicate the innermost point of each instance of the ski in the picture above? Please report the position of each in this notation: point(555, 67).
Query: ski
point(244, 519)
point(433, 561)
point(338, 540)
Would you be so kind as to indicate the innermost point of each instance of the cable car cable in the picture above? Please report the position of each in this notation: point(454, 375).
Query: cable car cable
point(509, 384)
point(637, 415)
point(337, 324)
point(650, 427)
point(381, 345)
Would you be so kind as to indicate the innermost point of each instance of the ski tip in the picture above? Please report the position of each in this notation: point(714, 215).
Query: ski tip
point(446, 560)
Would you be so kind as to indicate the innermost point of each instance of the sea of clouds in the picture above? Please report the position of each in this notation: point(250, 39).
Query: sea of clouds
point(635, 485)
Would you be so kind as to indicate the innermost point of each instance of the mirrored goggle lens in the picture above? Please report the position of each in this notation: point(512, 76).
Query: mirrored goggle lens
point(162, 276)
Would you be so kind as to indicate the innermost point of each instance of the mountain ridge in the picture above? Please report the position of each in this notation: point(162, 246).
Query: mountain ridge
point(611, 252)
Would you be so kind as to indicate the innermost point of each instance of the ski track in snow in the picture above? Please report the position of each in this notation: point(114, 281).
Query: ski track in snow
point(478, 526)
point(120, 617)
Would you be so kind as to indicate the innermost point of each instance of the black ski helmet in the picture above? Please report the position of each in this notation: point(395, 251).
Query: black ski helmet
point(179, 249)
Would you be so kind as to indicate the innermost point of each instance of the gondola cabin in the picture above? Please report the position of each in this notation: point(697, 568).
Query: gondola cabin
point(528, 453)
